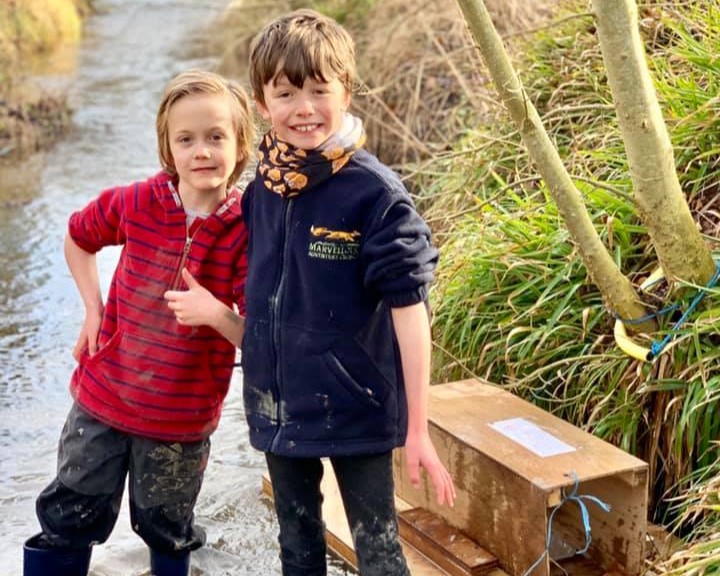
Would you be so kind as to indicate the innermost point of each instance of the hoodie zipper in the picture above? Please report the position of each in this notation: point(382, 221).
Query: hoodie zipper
point(277, 300)
point(188, 237)
point(183, 257)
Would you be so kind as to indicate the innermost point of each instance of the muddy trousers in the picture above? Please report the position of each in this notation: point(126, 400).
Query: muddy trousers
point(80, 506)
point(367, 489)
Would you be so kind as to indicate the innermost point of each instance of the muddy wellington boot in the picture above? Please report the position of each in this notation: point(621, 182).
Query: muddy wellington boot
point(56, 561)
point(162, 564)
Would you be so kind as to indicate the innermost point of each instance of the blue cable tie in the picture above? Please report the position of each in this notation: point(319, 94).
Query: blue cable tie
point(579, 499)
point(642, 319)
point(672, 307)
point(657, 347)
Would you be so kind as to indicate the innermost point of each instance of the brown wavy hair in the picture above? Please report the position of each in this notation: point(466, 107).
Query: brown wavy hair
point(299, 45)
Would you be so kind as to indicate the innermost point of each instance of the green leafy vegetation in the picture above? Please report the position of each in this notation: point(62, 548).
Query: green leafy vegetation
point(513, 303)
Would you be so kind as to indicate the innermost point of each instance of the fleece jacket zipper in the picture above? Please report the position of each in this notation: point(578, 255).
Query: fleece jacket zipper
point(277, 301)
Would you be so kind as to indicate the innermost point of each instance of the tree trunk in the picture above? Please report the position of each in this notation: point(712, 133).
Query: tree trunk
point(616, 289)
point(659, 199)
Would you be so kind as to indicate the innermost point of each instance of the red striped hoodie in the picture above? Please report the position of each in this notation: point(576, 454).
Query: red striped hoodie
point(151, 376)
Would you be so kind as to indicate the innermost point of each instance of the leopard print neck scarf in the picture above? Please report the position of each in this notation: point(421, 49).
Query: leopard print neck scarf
point(290, 171)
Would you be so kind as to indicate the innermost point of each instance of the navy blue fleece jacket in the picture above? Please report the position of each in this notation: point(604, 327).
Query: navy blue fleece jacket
point(321, 367)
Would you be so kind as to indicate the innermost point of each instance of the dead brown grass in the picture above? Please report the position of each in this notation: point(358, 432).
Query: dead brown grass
point(241, 20)
point(30, 118)
point(421, 81)
point(32, 124)
point(422, 75)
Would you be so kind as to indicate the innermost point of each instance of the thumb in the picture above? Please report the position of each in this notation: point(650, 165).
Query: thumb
point(189, 279)
point(413, 468)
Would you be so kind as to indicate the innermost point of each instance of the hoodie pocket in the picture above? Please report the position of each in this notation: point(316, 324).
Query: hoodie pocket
point(106, 349)
point(165, 378)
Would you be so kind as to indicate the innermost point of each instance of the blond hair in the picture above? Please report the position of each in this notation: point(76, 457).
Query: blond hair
point(302, 44)
point(204, 82)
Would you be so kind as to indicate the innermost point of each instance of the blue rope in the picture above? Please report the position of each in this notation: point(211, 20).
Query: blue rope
point(579, 499)
point(642, 319)
point(657, 347)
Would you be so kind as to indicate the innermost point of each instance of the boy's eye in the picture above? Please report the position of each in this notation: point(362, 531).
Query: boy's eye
point(283, 91)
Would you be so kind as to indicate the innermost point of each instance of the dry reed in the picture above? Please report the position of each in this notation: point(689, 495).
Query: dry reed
point(417, 66)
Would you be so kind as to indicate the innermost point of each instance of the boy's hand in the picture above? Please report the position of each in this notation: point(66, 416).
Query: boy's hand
point(195, 306)
point(87, 340)
point(420, 452)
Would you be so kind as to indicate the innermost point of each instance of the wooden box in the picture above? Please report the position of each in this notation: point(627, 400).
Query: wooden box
point(512, 464)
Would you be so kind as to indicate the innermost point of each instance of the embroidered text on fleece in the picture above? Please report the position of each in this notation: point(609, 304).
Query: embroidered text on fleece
point(321, 366)
point(152, 377)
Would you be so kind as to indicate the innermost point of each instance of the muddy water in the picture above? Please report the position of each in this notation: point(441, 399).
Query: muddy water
point(130, 50)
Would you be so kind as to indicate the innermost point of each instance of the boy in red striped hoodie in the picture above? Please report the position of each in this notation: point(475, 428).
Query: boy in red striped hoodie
point(149, 384)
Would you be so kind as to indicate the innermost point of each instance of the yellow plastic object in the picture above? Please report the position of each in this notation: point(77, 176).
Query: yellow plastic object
point(627, 345)
point(624, 342)
point(654, 277)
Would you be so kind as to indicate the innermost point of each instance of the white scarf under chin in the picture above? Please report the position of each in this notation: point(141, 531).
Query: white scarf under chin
point(349, 132)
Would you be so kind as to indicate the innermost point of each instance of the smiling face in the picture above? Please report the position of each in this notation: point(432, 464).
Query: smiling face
point(203, 145)
point(306, 116)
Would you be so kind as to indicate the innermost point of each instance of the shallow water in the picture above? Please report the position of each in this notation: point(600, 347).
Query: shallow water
point(129, 51)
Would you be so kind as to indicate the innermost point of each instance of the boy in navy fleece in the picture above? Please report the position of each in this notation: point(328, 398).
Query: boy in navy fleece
point(336, 350)
point(336, 353)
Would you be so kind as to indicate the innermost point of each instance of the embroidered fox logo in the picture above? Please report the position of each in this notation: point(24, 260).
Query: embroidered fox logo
point(328, 234)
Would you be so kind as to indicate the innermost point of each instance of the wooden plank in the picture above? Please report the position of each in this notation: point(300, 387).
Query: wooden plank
point(579, 566)
point(449, 548)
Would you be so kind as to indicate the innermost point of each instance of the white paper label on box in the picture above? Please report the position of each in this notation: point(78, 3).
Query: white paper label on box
point(531, 437)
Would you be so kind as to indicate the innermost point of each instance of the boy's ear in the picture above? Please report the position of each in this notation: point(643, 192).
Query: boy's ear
point(262, 109)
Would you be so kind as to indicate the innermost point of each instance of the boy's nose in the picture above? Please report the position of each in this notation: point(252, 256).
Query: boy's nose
point(202, 152)
point(305, 107)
